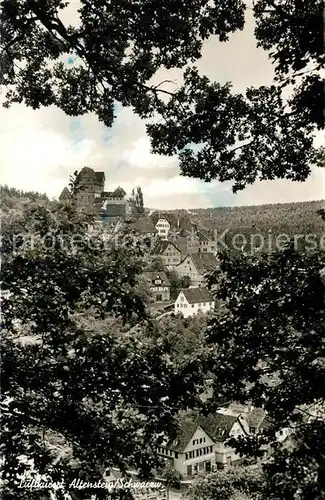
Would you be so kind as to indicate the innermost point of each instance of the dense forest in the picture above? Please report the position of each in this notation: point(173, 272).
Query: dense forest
point(252, 226)
point(9, 194)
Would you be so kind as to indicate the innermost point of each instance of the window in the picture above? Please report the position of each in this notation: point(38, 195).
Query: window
point(176, 454)
point(186, 456)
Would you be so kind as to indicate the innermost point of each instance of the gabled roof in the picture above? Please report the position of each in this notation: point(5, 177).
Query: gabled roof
point(204, 235)
point(162, 245)
point(144, 225)
point(187, 429)
point(65, 195)
point(152, 276)
point(171, 218)
point(203, 261)
point(87, 173)
point(217, 426)
point(118, 193)
point(197, 295)
point(180, 242)
point(256, 417)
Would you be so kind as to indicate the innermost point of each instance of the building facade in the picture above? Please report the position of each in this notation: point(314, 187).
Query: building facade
point(201, 444)
point(196, 266)
point(89, 195)
point(89, 186)
point(168, 252)
point(191, 301)
point(159, 286)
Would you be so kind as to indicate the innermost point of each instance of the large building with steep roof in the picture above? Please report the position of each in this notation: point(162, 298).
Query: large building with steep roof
point(201, 443)
point(196, 266)
point(90, 196)
point(168, 252)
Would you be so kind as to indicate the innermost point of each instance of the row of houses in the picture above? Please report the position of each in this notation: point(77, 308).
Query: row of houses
point(201, 444)
point(188, 251)
point(189, 301)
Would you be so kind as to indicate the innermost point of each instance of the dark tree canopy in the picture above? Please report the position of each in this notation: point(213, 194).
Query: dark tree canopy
point(268, 350)
point(78, 391)
point(120, 45)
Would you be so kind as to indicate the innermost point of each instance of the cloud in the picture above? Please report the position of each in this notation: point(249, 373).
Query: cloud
point(39, 149)
point(140, 155)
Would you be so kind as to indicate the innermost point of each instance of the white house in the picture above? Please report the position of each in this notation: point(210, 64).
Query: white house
point(162, 227)
point(192, 300)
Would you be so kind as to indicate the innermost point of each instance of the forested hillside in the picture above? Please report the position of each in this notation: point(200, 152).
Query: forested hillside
point(265, 222)
point(9, 194)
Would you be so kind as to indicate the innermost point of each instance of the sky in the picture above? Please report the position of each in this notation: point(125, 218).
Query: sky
point(39, 149)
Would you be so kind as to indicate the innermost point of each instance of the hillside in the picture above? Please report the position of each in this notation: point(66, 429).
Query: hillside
point(10, 195)
point(262, 224)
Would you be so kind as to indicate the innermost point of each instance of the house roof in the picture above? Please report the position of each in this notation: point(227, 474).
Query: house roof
point(181, 243)
point(118, 193)
point(87, 173)
point(185, 224)
point(144, 225)
point(256, 418)
point(197, 295)
point(162, 246)
point(65, 195)
point(217, 426)
point(171, 218)
point(204, 261)
point(152, 276)
point(204, 235)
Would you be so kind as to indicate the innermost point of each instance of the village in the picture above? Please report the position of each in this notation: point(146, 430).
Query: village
point(178, 247)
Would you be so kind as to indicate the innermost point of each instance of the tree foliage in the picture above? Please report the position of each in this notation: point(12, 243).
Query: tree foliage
point(136, 202)
point(9, 196)
point(237, 484)
point(117, 49)
point(77, 397)
point(269, 352)
point(177, 283)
